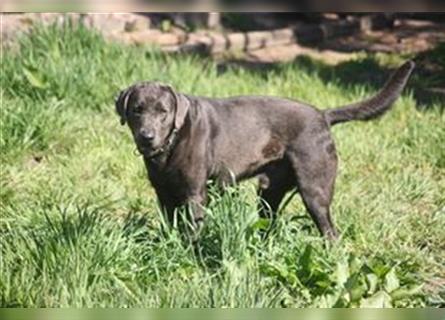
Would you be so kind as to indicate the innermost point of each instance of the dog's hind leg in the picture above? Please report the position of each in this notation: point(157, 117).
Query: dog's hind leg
point(315, 163)
point(274, 183)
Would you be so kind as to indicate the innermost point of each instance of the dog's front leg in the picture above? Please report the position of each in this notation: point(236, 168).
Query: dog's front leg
point(195, 205)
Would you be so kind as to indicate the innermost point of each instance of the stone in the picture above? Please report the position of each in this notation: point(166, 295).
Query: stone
point(137, 23)
point(237, 40)
point(107, 22)
point(219, 43)
point(283, 36)
point(256, 40)
point(152, 37)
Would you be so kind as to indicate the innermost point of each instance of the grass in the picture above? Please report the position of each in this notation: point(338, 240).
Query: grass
point(80, 226)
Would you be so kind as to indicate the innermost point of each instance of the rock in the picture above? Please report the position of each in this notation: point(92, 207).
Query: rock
point(218, 43)
point(256, 40)
point(148, 37)
point(106, 22)
point(137, 23)
point(283, 36)
point(237, 40)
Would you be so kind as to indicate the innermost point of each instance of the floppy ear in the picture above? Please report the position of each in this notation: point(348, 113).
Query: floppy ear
point(121, 104)
point(182, 107)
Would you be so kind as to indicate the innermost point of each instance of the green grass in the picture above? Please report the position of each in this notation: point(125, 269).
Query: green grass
point(80, 225)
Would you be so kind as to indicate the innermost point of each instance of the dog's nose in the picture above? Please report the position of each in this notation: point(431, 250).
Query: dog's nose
point(147, 135)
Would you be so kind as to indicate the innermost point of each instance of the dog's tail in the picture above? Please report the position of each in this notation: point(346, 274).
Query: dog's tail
point(376, 105)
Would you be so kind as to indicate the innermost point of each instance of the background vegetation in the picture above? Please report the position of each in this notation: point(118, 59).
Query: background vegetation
point(80, 225)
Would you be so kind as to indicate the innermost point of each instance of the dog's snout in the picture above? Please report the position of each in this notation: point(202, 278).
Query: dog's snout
point(147, 135)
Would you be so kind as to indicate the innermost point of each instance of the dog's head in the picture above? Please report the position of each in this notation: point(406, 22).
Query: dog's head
point(152, 111)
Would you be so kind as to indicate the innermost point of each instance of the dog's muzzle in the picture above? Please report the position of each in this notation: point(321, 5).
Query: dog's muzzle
point(165, 148)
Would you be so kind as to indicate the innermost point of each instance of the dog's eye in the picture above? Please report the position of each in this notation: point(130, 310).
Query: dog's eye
point(161, 110)
point(163, 113)
point(138, 109)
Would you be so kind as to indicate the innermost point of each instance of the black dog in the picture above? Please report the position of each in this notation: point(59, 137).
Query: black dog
point(186, 140)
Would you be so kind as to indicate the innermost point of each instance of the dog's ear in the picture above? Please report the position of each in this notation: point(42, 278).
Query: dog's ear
point(182, 106)
point(121, 104)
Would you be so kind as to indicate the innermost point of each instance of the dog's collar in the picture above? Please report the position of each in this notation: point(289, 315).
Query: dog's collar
point(166, 147)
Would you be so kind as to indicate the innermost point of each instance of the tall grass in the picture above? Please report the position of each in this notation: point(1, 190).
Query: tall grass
point(80, 225)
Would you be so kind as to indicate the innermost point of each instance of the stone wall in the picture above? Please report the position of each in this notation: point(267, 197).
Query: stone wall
point(133, 28)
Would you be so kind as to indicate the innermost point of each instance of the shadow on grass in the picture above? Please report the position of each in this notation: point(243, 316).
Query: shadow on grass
point(209, 251)
point(427, 82)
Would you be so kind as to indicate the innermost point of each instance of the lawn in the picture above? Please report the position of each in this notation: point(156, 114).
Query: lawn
point(80, 225)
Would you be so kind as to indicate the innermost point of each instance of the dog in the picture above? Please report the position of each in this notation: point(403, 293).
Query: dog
point(187, 140)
